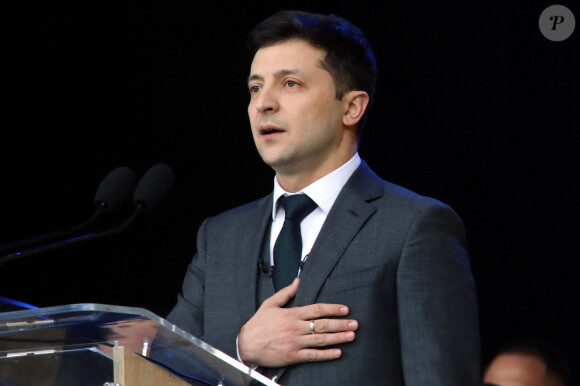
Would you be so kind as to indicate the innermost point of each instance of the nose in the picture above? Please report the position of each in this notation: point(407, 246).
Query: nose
point(266, 101)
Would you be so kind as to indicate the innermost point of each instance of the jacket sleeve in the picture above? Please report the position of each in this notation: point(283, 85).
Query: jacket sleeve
point(437, 302)
point(188, 313)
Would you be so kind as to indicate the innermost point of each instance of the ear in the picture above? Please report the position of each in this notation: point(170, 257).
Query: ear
point(356, 103)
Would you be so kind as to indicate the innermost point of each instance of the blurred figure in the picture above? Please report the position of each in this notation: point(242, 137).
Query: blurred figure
point(527, 364)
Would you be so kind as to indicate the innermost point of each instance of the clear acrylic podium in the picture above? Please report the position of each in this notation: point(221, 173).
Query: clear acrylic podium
point(95, 344)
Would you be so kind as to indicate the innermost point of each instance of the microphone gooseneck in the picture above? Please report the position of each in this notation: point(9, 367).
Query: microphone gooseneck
point(150, 191)
point(113, 191)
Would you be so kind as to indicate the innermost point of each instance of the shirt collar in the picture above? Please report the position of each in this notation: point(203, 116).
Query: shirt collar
point(323, 191)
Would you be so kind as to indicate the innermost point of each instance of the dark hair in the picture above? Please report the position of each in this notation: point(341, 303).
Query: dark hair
point(556, 366)
point(349, 57)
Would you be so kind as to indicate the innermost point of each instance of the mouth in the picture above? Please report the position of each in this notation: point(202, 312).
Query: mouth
point(269, 130)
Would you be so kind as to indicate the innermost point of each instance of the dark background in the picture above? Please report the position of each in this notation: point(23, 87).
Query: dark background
point(475, 107)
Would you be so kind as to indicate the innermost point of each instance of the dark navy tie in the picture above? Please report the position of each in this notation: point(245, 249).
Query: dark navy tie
point(288, 246)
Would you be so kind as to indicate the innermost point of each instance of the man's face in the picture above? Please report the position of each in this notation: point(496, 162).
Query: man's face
point(295, 117)
point(517, 370)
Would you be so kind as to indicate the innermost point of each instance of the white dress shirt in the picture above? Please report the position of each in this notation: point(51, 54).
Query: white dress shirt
point(323, 192)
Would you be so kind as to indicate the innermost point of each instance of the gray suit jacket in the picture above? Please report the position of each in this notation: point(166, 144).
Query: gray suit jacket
point(397, 259)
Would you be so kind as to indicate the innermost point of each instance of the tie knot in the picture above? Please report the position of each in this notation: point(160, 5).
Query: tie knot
point(297, 206)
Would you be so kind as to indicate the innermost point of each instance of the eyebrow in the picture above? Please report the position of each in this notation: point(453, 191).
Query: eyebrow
point(277, 74)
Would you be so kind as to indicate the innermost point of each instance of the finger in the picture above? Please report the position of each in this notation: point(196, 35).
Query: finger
point(317, 355)
point(329, 339)
point(280, 298)
point(321, 310)
point(321, 326)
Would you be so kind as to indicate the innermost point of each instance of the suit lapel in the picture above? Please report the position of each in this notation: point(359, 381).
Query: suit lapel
point(248, 252)
point(349, 213)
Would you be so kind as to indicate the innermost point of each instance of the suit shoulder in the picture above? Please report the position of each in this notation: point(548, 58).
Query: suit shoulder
point(403, 206)
point(384, 194)
point(403, 195)
point(408, 200)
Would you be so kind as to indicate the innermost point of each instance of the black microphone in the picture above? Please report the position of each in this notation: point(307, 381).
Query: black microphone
point(263, 268)
point(153, 187)
point(116, 189)
point(150, 191)
point(113, 191)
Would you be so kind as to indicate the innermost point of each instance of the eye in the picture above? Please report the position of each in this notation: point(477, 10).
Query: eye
point(292, 83)
point(254, 89)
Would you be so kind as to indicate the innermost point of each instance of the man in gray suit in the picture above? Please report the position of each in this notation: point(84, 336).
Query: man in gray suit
point(385, 294)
